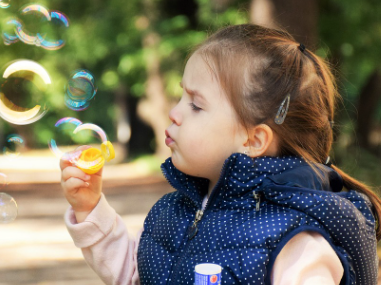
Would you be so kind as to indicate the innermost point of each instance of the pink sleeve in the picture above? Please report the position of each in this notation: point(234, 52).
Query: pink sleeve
point(307, 259)
point(106, 244)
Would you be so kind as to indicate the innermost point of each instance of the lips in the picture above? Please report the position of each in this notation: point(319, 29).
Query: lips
point(168, 139)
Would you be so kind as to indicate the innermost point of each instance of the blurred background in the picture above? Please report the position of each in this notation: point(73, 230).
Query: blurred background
point(135, 52)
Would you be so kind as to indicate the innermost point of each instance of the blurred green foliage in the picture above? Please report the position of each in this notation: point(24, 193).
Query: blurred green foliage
point(107, 38)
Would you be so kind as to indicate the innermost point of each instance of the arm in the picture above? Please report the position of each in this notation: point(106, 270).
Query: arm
point(96, 228)
point(307, 259)
point(105, 244)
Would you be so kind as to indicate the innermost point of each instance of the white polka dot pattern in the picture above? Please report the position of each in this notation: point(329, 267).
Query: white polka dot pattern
point(244, 241)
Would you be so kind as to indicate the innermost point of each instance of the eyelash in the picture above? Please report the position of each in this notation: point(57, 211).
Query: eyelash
point(194, 107)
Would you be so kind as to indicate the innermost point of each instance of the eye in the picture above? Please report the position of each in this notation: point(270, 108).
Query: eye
point(194, 107)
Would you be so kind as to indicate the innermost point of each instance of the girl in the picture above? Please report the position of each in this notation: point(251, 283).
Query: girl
point(256, 191)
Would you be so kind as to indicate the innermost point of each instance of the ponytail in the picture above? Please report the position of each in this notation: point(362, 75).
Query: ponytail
point(351, 183)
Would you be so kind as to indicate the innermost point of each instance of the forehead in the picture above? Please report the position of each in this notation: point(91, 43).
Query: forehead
point(198, 75)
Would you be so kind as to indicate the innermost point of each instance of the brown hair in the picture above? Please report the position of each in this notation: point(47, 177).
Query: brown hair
point(258, 67)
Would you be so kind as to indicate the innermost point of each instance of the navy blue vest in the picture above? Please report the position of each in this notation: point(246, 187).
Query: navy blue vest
point(256, 207)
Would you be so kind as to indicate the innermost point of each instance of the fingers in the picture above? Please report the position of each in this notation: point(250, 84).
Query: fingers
point(68, 158)
point(75, 183)
point(71, 171)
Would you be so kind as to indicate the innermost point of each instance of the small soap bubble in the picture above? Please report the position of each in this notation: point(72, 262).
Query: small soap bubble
point(5, 4)
point(24, 88)
point(8, 208)
point(53, 32)
point(80, 90)
point(13, 145)
point(3, 180)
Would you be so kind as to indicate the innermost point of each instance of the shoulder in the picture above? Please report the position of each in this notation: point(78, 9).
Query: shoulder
point(307, 256)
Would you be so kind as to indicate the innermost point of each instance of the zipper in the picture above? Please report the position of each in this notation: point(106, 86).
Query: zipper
point(193, 229)
point(257, 198)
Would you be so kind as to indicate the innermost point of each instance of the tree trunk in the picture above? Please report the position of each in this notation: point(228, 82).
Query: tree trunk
point(299, 18)
point(155, 107)
point(368, 102)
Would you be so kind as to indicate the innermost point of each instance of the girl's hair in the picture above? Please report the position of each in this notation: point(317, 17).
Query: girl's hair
point(258, 67)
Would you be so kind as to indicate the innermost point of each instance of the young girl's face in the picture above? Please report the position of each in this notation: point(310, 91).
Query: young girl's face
point(205, 129)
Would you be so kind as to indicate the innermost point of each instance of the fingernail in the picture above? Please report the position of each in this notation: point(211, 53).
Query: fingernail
point(87, 184)
point(87, 177)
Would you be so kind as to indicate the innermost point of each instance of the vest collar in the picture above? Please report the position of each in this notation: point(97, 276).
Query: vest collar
point(241, 174)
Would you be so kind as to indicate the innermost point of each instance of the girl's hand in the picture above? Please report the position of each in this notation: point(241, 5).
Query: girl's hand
point(81, 190)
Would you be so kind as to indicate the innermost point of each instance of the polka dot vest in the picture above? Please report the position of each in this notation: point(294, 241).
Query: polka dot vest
point(256, 207)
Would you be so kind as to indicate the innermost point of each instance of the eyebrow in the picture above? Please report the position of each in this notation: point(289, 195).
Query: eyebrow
point(193, 93)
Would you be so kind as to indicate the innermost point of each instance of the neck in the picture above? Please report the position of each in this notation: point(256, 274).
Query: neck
point(212, 184)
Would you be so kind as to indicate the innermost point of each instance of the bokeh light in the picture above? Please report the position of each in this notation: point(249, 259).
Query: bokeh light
point(13, 145)
point(8, 208)
point(80, 90)
point(23, 92)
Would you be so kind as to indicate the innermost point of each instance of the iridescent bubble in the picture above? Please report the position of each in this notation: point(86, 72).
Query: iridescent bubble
point(8, 208)
point(52, 39)
point(32, 16)
point(5, 4)
point(37, 26)
point(3, 180)
point(9, 34)
point(80, 90)
point(23, 92)
point(65, 126)
point(13, 145)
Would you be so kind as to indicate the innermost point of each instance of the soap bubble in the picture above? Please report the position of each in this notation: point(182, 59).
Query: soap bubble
point(23, 92)
point(13, 144)
point(5, 4)
point(8, 208)
point(3, 180)
point(54, 31)
point(9, 34)
point(32, 19)
point(80, 90)
point(65, 126)
point(37, 26)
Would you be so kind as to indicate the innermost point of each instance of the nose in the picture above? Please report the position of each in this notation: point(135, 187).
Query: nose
point(174, 115)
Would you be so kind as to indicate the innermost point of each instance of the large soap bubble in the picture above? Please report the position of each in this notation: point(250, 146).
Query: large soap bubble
point(8, 208)
point(23, 92)
point(37, 26)
point(80, 90)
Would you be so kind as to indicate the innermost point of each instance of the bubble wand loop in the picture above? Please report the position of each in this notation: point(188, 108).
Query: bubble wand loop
point(90, 160)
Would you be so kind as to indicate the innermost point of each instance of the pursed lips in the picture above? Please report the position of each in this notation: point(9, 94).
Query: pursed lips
point(168, 139)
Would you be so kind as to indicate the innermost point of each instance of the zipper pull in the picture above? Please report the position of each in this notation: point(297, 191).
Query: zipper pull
point(192, 230)
point(257, 198)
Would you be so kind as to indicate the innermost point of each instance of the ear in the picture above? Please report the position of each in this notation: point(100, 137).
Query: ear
point(261, 141)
